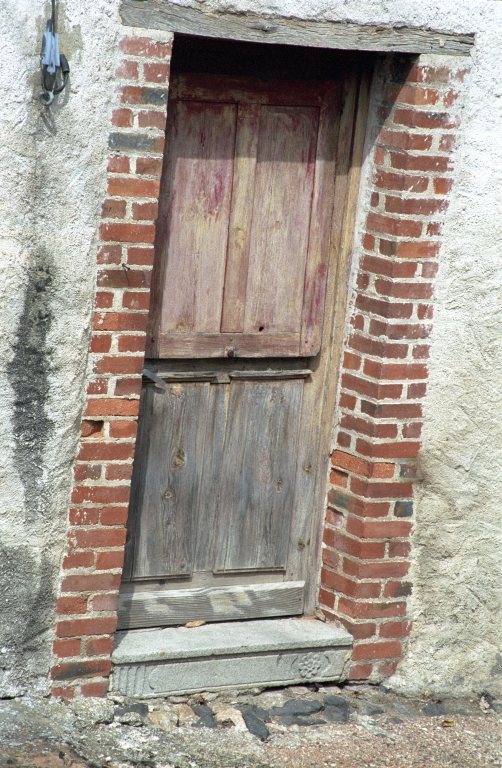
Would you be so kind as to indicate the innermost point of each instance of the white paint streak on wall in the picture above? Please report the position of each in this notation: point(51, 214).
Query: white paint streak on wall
point(52, 179)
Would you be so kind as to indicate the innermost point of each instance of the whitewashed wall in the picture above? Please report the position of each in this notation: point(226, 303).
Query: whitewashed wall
point(51, 187)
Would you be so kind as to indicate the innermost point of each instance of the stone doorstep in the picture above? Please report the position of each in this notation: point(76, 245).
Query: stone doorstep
point(177, 660)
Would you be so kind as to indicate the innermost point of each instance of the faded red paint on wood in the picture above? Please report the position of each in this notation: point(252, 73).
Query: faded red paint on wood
point(243, 234)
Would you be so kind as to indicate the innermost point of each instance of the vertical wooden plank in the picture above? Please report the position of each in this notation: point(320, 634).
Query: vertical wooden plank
point(320, 224)
point(202, 149)
point(246, 145)
point(168, 481)
point(258, 475)
point(281, 218)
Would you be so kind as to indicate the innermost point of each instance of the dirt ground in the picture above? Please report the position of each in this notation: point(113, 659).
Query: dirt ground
point(377, 729)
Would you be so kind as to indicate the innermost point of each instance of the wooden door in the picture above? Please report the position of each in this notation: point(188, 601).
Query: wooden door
point(222, 489)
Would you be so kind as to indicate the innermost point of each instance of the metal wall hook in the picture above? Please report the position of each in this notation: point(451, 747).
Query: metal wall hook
point(54, 66)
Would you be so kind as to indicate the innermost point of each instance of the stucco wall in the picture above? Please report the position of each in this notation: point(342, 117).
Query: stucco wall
point(52, 176)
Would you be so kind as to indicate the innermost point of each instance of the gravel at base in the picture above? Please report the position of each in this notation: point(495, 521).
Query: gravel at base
point(121, 734)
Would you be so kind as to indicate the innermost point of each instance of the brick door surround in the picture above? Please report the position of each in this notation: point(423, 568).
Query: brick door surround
point(365, 579)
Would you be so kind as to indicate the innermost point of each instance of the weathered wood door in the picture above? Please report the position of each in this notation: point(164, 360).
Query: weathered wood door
point(222, 491)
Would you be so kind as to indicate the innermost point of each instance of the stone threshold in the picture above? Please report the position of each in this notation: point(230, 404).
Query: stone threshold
point(214, 657)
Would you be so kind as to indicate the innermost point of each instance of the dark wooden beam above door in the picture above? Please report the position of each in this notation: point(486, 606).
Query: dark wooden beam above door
point(160, 14)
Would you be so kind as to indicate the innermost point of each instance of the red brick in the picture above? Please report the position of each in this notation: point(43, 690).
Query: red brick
point(330, 558)
point(358, 321)
point(425, 163)
point(425, 312)
point(350, 463)
point(108, 406)
point(351, 362)
point(434, 228)
point(375, 348)
point(412, 430)
point(156, 72)
point(364, 589)
point(79, 669)
point(334, 518)
point(116, 494)
point(78, 560)
point(101, 451)
point(127, 70)
point(400, 182)
point(64, 648)
point(144, 46)
point(398, 450)
point(151, 166)
point(92, 428)
point(394, 411)
point(347, 401)
point(415, 118)
point(105, 602)
point(119, 472)
point(152, 119)
point(381, 529)
point(359, 631)
point(128, 387)
point(84, 516)
point(388, 268)
point(422, 250)
point(399, 549)
point(70, 605)
point(128, 233)
point(379, 490)
point(140, 256)
point(104, 299)
point(118, 164)
point(383, 569)
point(120, 321)
point(123, 429)
point(97, 387)
point(101, 343)
point(403, 140)
point(95, 689)
point(107, 561)
point(395, 629)
point(365, 550)
point(369, 428)
point(395, 371)
point(122, 118)
point(99, 646)
point(91, 582)
point(100, 537)
point(399, 330)
point(131, 343)
point(114, 515)
point(408, 94)
point(376, 610)
point(371, 388)
point(326, 598)
point(442, 186)
point(368, 242)
point(145, 211)
point(362, 281)
point(360, 671)
point(83, 472)
point(386, 225)
point(398, 589)
point(119, 364)
point(131, 187)
point(113, 209)
point(388, 309)
point(426, 74)
point(123, 278)
point(344, 440)
point(365, 651)
point(414, 206)
point(136, 300)
point(338, 478)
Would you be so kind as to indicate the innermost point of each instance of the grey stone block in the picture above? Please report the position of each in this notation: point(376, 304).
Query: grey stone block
point(217, 656)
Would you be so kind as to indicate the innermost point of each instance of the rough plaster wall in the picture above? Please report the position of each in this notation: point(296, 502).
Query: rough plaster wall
point(52, 176)
point(52, 180)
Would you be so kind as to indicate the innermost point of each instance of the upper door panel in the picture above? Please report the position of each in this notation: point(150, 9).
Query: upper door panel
point(243, 232)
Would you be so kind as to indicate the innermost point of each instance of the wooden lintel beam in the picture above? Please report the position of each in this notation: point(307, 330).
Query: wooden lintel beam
point(161, 14)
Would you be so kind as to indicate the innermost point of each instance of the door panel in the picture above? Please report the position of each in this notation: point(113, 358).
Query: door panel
point(243, 232)
point(258, 475)
point(203, 138)
point(166, 481)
